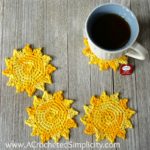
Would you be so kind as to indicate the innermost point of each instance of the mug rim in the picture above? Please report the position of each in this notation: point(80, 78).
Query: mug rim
point(116, 50)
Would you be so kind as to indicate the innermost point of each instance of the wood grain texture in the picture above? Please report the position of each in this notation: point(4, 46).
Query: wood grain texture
point(79, 70)
point(1, 28)
point(57, 25)
point(142, 75)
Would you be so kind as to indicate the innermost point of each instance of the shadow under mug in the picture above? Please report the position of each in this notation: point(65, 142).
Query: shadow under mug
point(131, 48)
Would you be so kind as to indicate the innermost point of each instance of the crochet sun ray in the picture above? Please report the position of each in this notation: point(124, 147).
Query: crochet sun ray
point(107, 117)
point(28, 70)
point(102, 63)
point(51, 117)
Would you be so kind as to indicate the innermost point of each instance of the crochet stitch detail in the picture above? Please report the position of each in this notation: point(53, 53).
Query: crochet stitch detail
point(107, 117)
point(51, 117)
point(28, 70)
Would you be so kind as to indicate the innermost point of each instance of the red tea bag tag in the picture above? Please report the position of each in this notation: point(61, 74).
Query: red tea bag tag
point(126, 69)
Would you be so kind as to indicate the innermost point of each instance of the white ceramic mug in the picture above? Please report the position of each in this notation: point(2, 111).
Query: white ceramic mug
point(131, 48)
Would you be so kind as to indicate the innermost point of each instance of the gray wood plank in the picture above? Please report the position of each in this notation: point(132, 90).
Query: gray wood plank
point(1, 35)
point(142, 10)
point(78, 68)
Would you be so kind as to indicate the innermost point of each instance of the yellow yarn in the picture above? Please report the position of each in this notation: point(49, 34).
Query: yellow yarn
point(28, 70)
point(102, 63)
point(51, 117)
point(107, 117)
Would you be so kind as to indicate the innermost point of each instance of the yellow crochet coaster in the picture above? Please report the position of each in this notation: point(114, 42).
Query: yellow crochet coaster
point(28, 70)
point(107, 117)
point(102, 63)
point(51, 117)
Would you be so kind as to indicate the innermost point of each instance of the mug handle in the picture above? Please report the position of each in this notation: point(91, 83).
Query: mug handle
point(137, 51)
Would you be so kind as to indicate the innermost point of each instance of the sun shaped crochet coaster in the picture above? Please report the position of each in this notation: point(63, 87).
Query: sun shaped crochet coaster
point(107, 117)
point(51, 117)
point(28, 70)
point(102, 63)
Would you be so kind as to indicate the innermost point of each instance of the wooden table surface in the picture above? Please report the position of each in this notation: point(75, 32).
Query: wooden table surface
point(57, 26)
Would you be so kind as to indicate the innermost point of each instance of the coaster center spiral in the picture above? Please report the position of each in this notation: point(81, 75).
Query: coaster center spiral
point(28, 67)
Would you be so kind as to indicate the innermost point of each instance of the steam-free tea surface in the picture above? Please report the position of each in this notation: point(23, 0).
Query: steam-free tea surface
point(110, 31)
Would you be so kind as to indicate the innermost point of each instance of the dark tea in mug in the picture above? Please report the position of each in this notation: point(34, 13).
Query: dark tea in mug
point(109, 31)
